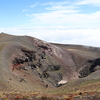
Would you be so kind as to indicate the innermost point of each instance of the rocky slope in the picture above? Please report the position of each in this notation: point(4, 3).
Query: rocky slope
point(30, 64)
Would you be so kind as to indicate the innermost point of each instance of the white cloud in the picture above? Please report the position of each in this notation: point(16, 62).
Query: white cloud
point(59, 6)
point(34, 5)
point(55, 3)
point(24, 10)
point(65, 14)
point(66, 18)
point(93, 2)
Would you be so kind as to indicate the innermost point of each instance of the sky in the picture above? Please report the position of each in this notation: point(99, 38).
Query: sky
point(58, 21)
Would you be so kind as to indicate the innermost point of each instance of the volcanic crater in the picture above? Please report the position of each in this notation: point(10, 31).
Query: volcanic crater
point(30, 64)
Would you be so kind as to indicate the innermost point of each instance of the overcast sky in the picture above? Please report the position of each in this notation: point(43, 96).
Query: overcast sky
point(60, 21)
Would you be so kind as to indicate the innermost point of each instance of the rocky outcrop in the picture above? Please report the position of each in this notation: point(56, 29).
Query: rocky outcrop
point(35, 61)
point(91, 66)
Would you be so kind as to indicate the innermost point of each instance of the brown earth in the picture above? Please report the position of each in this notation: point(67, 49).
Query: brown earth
point(32, 66)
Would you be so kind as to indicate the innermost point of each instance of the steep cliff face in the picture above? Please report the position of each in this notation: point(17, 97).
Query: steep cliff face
point(31, 64)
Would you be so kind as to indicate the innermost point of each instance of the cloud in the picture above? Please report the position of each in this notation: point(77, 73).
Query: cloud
point(24, 10)
point(65, 18)
point(61, 34)
point(93, 2)
point(65, 14)
point(34, 5)
point(55, 3)
point(59, 6)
